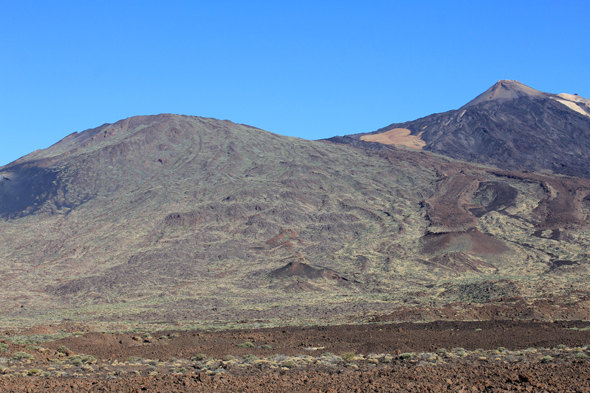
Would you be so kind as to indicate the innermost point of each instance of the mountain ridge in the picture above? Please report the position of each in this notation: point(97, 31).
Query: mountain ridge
point(510, 126)
point(180, 218)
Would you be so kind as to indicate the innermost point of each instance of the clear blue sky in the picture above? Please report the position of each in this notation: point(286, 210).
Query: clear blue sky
point(312, 69)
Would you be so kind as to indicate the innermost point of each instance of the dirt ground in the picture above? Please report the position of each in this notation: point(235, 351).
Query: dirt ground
point(489, 356)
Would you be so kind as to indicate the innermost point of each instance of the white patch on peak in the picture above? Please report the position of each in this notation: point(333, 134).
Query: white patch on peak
point(574, 102)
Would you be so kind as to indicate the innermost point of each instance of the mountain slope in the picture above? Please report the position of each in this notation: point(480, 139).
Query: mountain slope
point(510, 126)
point(176, 218)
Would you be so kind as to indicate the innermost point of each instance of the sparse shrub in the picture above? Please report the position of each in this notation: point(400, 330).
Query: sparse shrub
point(199, 357)
point(153, 363)
point(75, 360)
point(289, 364)
point(181, 370)
point(22, 355)
point(501, 349)
point(441, 351)
point(173, 335)
point(385, 359)
point(562, 346)
point(547, 359)
point(582, 355)
point(249, 358)
point(163, 337)
point(88, 359)
point(4, 347)
point(81, 359)
point(33, 371)
point(327, 355)
point(35, 338)
point(407, 355)
point(145, 335)
point(63, 349)
point(135, 359)
point(228, 358)
point(267, 346)
point(347, 356)
point(247, 344)
point(278, 358)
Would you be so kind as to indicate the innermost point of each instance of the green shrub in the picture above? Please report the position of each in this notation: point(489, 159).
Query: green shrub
point(35, 338)
point(4, 347)
point(582, 355)
point(173, 335)
point(267, 346)
point(327, 355)
point(441, 351)
point(63, 349)
point(228, 358)
point(22, 355)
point(80, 359)
point(289, 364)
point(199, 357)
point(75, 360)
point(547, 359)
point(562, 346)
point(501, 349)
point(249, 358)
point(407, 355)
point(135, 359)
point(247, 344)
point(347, 356)
point(33, 371)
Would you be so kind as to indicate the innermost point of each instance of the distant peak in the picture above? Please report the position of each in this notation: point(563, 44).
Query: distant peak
point(506, 90)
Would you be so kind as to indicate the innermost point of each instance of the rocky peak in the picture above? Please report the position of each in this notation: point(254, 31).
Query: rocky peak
point(506, 90)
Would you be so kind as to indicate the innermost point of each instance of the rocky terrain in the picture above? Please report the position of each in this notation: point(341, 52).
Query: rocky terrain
point(437, 357)
point(187, 221)
point(510, 126)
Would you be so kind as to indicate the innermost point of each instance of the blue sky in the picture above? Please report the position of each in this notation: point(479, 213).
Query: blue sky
point(312, 69)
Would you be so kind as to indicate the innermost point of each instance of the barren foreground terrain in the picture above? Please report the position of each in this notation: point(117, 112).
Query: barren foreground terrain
point(438, 357)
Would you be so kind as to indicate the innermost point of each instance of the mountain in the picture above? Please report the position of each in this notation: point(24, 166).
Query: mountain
point(510, 126)
point(180, 219)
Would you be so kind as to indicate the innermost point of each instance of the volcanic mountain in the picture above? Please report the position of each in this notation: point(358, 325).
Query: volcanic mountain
point(180, 219)
point(510, 126)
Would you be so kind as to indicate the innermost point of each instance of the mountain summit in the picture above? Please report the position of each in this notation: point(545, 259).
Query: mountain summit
point(506, 90)
point(510, 126)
